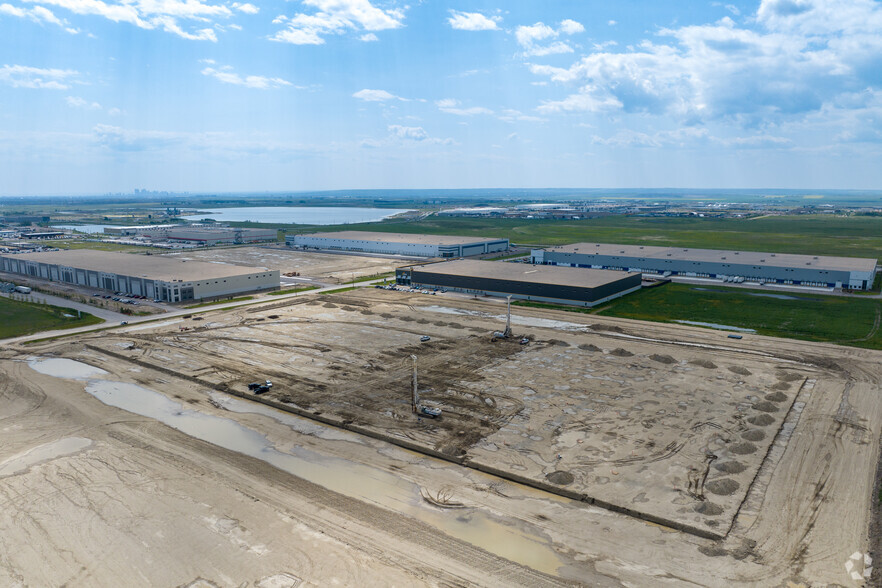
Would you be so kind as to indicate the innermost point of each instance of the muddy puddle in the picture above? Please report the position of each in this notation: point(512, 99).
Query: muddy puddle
point(42, 453)
point(352, 479)
point(65, 368)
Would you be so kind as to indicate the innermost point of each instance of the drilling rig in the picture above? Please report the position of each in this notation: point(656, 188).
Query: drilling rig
point(417, 408)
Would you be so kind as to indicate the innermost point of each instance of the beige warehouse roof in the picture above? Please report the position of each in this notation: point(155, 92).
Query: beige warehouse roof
point(522, 272)
point(401, 238)
point(720, 256)
point(155, 267)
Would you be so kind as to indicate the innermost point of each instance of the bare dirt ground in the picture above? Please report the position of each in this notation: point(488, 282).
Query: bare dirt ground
point(324, 266)
point(699, 460)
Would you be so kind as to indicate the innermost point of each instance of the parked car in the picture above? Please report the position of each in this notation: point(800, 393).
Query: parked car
point(425, 338)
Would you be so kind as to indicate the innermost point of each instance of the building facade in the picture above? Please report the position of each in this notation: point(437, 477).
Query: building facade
point(555, 285)
point(398, 243)
point(751, 266)
point(156, 277)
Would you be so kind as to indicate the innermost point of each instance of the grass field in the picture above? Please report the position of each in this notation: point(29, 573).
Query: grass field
point(23, 318)
point(854, 236)
point(837, 319)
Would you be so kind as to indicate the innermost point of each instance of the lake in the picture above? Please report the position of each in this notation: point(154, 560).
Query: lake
point(301, 215)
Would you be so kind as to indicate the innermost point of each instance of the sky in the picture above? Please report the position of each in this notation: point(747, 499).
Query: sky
point(101, 96)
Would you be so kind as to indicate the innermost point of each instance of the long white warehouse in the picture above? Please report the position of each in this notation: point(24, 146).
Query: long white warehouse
point(780, 268)
point(399, 243)
point(155, 276)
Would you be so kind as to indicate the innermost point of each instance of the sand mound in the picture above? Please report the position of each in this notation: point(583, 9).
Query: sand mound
point(560, 478)
point(776, 397)
point(743, 448)
point(709, 509)
point(589, 347)
point(730, 467)
point(761, 420)
point(765, 407)
point(723, 487)
point(741, 371)
point(753, 435)
point(704, 363)
point(666, 359)
point(619, 352)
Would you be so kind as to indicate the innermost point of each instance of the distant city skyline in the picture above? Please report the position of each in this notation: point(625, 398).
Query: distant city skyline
point(100, 96)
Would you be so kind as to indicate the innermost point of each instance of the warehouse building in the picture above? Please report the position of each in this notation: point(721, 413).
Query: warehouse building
point(526, 282)
point(136, 229)
point(153, 276)
point(749, 266)
point(216, 236)
point(399, 243)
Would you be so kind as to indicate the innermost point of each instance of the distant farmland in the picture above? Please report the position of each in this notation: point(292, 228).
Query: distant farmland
point(852, 236)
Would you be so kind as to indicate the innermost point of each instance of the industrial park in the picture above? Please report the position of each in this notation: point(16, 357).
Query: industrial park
point(386, 294)
point(509, 429)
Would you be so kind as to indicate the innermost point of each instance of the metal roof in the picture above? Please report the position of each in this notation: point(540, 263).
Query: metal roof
point(401, 238)
point(522, 272)
point(154, 267)
point(789, 260)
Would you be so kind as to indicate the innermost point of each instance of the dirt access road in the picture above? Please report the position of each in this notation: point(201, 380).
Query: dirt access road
point(593, 398)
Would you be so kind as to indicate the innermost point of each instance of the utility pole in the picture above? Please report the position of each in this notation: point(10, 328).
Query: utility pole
point(507, 332)
point(415, 399)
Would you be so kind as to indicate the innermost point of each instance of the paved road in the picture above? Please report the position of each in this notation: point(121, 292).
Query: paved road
point(175, 313)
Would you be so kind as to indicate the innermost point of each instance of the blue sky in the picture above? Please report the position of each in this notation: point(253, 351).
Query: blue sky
point(202, 95)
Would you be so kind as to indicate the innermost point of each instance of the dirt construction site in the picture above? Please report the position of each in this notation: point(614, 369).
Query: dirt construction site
point(600, 452)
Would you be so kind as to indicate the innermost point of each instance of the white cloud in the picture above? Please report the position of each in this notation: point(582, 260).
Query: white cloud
point(409, 133)
point(335, 17)
point(226, 75)
point(152, 14)
point(77, 102)
point(531, 37)
point(22, 76)
point(246, 7)
point(119, 139)
point(369, 37)
point(473, 21)
point(794, 57)
point(451, 106)
point(612, 23)
point(401, 136)
point(377, 96)
point(511, 115)
point(38, 14)
point(571, 27)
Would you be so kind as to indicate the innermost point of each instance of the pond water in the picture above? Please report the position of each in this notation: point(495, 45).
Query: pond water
point(302, 215)
point(354, 479)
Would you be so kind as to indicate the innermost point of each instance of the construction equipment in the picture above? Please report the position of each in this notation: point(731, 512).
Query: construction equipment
point(507, 332)
point(416, 407)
